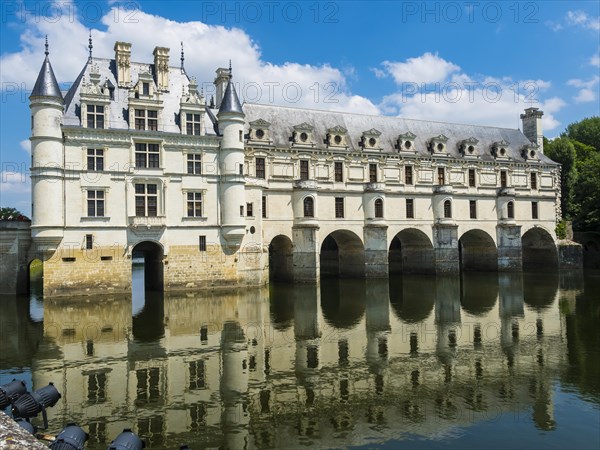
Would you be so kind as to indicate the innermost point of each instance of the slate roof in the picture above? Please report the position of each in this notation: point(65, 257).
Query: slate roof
point(283, 119)
point(178, 79)
point(231, 102)
point(46, 84)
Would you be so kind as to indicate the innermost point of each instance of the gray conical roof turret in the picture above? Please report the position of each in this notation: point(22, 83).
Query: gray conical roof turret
point(231, 102)
point(46, 84)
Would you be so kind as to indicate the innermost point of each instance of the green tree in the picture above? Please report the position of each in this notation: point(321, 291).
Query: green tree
point(586, 197)
point(563, 151)
point(586, 131)
point(6, 211)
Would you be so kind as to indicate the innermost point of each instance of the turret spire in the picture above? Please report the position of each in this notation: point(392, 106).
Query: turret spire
point(182, 57)
point(90, 46)
point(46, 84)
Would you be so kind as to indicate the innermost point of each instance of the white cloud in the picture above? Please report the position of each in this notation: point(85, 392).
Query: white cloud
point(14, 182)
point(206, 48)
point(427, 68)
point(554, 26)
point(25, 145)
point(582, 19)
point(595, 60)
point(586, 93)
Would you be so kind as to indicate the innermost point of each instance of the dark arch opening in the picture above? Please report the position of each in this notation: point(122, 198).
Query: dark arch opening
point(478, 292)
point(281, 259)
point(342, 255)
point(343, 302)
point(411, 251)
point(539, 251)
point(477, 252)
point(35, 289)
point(148, 256)
point(410, 302)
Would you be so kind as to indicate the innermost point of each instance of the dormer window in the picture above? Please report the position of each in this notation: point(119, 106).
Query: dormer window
point(370, 139)
point(500, 149)
point(303, 134)
point(146, 119)
point(468, 147)
point(406, 142)
point(95, 116)
point(145, 88)
point(529, 152)
point(192, 124)
point(437, 144)
point(259, 130)
point(336, 137)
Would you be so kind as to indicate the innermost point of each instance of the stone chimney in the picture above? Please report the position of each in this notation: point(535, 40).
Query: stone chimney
point(123, 61)
point(161, 68)
point(221, 84)
point(532, 127)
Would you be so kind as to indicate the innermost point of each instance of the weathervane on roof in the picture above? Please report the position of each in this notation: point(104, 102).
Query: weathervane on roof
point(182, 57)
point(47, 52)
point(90, 46)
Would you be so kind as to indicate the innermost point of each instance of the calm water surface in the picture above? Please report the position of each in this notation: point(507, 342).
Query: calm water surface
point(485, 360)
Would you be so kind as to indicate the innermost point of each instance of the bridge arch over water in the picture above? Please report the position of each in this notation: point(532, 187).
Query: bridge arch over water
point(411, 251)
point(342, 255)
point(477, 252)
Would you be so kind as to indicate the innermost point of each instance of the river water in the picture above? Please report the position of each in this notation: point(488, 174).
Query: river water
point(484, 360)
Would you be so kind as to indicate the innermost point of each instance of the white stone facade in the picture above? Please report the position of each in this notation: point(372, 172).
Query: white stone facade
point(133, 154)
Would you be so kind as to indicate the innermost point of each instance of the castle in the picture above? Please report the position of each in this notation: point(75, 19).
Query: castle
point(133, 162)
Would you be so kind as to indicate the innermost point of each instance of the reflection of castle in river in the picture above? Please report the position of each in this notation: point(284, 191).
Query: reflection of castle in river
point(343, 364)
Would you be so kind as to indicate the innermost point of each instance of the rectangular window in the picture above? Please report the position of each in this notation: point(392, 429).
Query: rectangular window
point(303, 169)
point(192, 124)
point(194, 164)
point(471, 177)
point(146, 200)
point(242, 210)
point(95, 116)
point(202, 243)
point(95, 159)
point(241, 135)
point(197, 374)
point(95, 203)
point(146, 119)
point(145, 88)
point(408, 175)
point(97, 387)
point(264, 207)
point(533, 177)
point(249, 210)
point(147, 156)
point(89, 241)
point(339, 207)
point(410, 208)
point(534, 210)
point(441, 176)
point(194, 204)
point(260, 168)
point(339, 171)
point(473, 209)
point(503, 178)
point(373, 173)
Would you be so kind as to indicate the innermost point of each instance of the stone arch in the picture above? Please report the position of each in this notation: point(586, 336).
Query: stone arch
point(342, 255)
point(411, 251)
point(539, 251)
point(35, 278)
point(477, 252)
point(150, 254)
point(281, 264)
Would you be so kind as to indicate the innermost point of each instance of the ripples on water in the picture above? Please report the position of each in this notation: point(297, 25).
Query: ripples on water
point(490, 360)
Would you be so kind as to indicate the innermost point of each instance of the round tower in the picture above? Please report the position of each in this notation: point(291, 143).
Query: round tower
point(231, 163)
point(47, 165)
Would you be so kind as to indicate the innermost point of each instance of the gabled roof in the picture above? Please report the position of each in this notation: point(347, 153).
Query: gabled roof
point(46, 84)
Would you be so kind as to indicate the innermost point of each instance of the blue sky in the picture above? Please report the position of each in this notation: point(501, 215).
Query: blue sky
point(478, 62)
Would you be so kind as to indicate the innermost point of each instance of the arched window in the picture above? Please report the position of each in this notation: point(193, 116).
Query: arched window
point(448, 209)
point(379, 208)
point(510, 210)
point(309, 207)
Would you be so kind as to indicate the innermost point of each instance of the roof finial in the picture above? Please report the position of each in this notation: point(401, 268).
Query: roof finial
point(90, 46)
point(47, 52)
point(182, 57)
point(230, 73)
